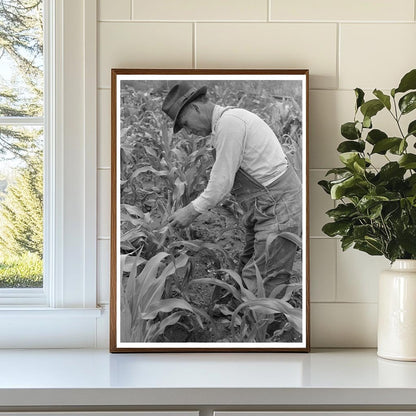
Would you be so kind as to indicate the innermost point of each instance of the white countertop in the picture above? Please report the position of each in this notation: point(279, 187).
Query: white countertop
point(96, 377)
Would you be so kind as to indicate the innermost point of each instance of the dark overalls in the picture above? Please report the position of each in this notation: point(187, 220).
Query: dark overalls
point(269, 211)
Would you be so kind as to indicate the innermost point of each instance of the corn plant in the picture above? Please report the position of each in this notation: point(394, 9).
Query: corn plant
point(254, 312)
point(143, 306)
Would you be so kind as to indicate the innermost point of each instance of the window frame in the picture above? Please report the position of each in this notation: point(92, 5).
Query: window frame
point(70, 207)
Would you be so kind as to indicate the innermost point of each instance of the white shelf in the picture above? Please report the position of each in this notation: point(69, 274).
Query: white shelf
point(58, 378)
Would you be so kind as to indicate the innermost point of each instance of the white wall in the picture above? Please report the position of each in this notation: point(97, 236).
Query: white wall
point(345, 44)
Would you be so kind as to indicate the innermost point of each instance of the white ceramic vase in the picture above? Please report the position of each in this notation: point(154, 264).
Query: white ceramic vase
point(397, 312)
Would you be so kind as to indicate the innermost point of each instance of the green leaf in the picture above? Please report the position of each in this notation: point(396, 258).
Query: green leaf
point(368, 201)
point(411, 130)
point(359, 95)
point(407, 240)
point(408, 161)
point(391, 170)
point(371, 108)
point(375, 212)
point(325, 186)
point(385, 99)
point(361, 231)
point(346, 242)
point(408, 102)
point(336, 228)
point(367, 122)
point(349, 146)
point(349, 131)
point(359, 165)
point(338, 188)
point(338, 171)
point(400, 148)
point(393, 250)
point(349, 158)
point(375, 135)
point(383, 145)
point(368, 248)
point(354, 186)
point(342, 211)
point(408, 82)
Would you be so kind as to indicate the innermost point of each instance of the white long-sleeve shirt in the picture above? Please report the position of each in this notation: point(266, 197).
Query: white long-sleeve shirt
point(241, 139)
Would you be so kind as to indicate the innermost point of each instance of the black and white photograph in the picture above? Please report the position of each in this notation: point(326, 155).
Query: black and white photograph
point(209, 215)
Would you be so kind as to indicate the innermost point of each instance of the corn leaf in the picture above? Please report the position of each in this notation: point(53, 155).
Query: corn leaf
point(260, 285)
point(125, 319)
point(217, 282)
point(168, 305)
point(271, 306)
point(148, 275)
point(155, 291)
point(246, 294)
point(159, 328)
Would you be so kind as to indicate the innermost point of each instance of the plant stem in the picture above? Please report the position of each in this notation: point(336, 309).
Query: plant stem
point(397, 119)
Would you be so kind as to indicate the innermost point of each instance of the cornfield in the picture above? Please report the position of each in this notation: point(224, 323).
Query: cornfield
point(181, 285)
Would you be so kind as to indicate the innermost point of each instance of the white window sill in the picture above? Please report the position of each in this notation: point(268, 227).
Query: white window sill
point(331, 379)
point(40, 327)
point(36, 312)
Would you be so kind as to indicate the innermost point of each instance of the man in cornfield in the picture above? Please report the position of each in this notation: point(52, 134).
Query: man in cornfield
point(249, 163)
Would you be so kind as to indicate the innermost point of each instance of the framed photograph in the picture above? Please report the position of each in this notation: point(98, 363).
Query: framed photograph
point(209, 212)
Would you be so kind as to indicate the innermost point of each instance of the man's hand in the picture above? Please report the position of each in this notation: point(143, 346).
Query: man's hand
point(183, 216)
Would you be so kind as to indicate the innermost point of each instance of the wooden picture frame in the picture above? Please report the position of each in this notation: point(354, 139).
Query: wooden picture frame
point(176, 289)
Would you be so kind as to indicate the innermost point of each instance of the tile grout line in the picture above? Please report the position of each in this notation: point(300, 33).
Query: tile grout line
point(337, 247)
point(345, 302)
point(335, 253)
point(323, 237)
point(338, 63)
point(308, 22)
point(194, 63)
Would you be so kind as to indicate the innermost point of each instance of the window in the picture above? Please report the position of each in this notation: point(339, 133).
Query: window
point(21, 143)
point(63, 312)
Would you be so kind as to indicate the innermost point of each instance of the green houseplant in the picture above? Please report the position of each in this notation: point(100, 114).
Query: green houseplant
point(376, 209)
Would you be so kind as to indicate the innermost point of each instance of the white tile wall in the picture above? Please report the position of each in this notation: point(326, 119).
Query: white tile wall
point(376, 55)
point(200, 10)
point(328, 110)
point(357, 275)
point(114, 10)
point(142, 45)
point(358, 10)
point(337, 325)
point(323, 269)
point(271, 45)
point(345, 44)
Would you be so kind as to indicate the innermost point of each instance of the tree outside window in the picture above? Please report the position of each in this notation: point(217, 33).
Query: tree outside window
point(21, 143)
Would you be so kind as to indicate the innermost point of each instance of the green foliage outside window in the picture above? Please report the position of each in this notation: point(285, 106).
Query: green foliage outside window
point(21, 146)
